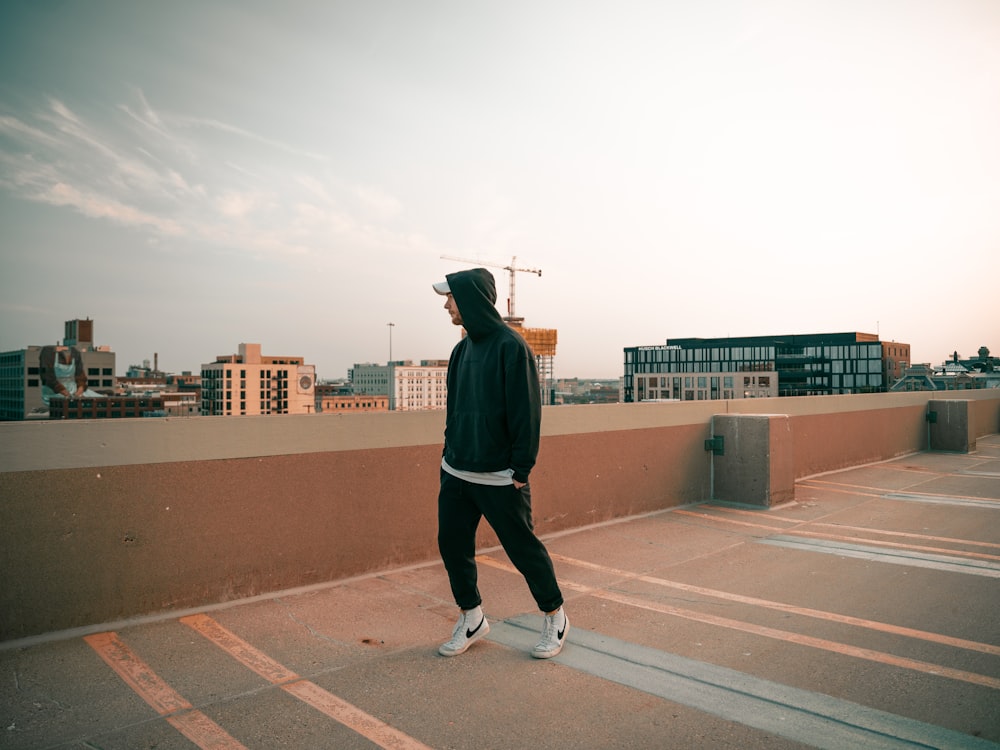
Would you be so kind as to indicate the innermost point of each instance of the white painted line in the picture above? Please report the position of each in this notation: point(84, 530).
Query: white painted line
point(888, 555)
point(813, 719)
point(943, 500)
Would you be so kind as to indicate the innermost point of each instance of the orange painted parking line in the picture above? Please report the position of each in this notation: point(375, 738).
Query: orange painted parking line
point(856, 489)
point(758, 514)
point(764, 631)
point(240, 650)
point(712, 517)
point(804, 640)
point(847, 527)
point(308, 692)
point(817, 614)
point(167, 702)
point(352, 717)
point(927, 537)
point(915, 470)
point(881, 494)
point(881, 543)
point(837, 537)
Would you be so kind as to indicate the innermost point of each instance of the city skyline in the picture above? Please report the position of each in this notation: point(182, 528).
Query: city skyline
point(194, 176)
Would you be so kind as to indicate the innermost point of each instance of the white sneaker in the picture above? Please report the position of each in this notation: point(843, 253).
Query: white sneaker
point(471, 626)
point(554, 632)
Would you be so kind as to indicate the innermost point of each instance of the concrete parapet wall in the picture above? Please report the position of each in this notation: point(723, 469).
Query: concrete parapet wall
point(952, 426)
point(110, 519)
point(755, 462)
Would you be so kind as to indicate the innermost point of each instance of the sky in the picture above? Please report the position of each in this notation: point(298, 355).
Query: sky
point(194, 175)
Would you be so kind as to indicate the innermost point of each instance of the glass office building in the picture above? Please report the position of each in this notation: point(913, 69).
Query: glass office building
point(802, 364)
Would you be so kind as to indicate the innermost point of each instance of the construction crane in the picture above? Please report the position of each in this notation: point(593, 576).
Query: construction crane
point(512, 268)
point(542, 341)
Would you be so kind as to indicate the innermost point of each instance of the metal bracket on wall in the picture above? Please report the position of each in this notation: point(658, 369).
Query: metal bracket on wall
point(716, 444)
point(932, 417)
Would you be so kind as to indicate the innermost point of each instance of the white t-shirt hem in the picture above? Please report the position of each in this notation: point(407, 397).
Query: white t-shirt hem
point(491, 478)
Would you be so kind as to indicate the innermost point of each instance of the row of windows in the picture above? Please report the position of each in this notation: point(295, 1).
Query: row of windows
point(266, 407)
point(702, 387)
point(744, 366)
point(228, 383)
point(354, 405)
point(752, 353)
point(702, 381)
point(229, 373)
point(35, 383)
point(219, 395)
point(852, 351)
point(670, 387)
point(37, 371)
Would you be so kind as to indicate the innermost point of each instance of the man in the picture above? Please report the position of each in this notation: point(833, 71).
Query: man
point(490, 445)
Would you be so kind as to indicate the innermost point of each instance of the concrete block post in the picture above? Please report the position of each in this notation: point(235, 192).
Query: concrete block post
point(951, 426)
point(753, 464)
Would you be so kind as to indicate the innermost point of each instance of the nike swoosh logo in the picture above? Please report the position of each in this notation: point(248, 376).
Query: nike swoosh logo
point(470, 633)
point(562, 632)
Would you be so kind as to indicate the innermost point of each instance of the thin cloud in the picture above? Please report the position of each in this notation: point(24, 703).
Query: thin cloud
point(236, 204)
point(63, 111)
point(165, 174)
point(234, 130)
point(102, 207)
point(68, 123)
point(14, 127)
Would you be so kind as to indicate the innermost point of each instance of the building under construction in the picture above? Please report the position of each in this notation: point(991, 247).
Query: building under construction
point(543, 345)
point(541, 340)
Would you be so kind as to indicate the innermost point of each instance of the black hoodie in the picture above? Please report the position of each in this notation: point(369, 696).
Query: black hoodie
point(494, 405)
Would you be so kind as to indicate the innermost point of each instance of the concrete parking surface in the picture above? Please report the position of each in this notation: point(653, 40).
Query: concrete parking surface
point(866, 614)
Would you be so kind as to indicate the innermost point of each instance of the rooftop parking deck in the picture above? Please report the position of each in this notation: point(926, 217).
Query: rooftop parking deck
point(863, 614)
point(273, 582)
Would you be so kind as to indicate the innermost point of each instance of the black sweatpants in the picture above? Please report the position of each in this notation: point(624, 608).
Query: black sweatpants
point(507, 509)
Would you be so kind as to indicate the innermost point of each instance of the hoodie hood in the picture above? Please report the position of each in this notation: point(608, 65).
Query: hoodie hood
point(475, 293)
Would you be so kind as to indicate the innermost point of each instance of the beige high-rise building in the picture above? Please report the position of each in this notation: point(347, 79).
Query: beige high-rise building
point(409, 386)
point(422, 387)
point(251, 383)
